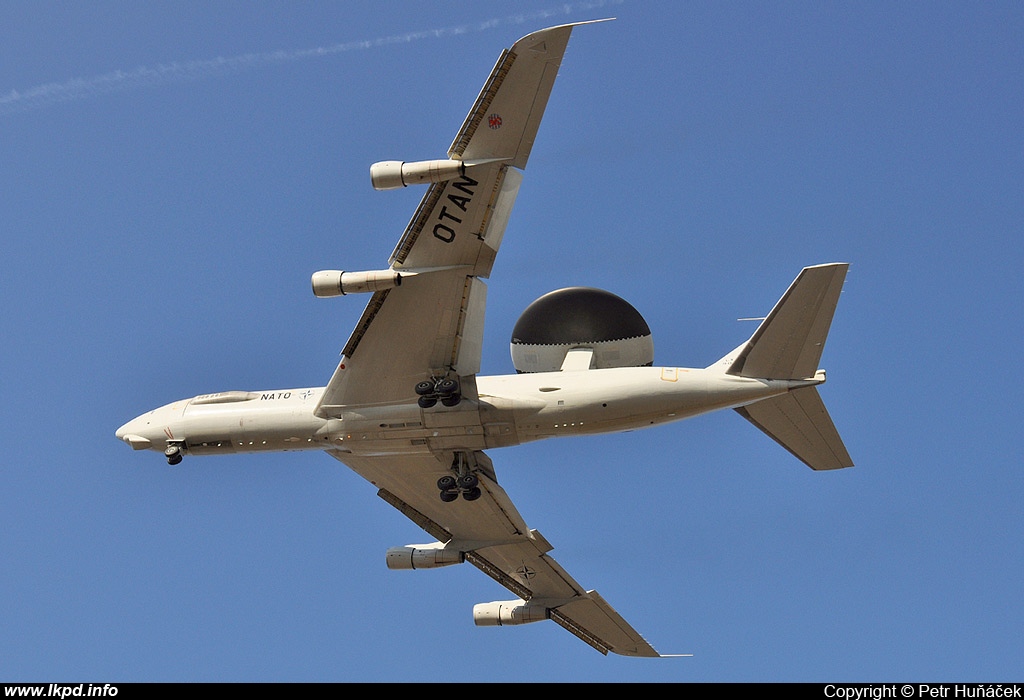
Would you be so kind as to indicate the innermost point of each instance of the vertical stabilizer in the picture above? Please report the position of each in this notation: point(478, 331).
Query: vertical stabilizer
point(788, 343)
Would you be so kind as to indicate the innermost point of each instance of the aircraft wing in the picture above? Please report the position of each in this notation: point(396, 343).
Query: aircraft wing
point(432, 324)
point(497, 541)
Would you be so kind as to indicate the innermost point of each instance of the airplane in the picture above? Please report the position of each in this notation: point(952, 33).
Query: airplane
point(408, 409)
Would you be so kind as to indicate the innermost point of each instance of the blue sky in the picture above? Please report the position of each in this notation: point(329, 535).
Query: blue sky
point(173, 172)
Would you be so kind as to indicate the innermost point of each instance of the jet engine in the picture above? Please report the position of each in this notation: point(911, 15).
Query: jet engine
point(508, 612)
point(333, 283)
point(395, 174)
point(580, 318)
point(423, 556)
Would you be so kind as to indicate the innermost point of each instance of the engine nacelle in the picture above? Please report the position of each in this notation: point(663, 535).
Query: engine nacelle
point(423, 556)
point(394, 174)
point(333, 283)
point(508, 612)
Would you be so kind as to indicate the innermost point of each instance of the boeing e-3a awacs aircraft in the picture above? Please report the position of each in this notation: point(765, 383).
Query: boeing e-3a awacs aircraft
point(407, 410)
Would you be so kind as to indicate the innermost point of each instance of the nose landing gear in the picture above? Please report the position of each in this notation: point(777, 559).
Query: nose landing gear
point(173, 453)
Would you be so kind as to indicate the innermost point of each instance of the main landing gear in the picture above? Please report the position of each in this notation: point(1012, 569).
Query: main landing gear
point(431, 391)
point(461, 481)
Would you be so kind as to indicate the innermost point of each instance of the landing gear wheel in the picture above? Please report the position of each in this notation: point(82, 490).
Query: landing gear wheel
point(468, 481)
point(472, 494)
point(173, 455)
point(452, 400)
point(449, 496)
point(426, 401)
point(447, 387)
point(425, 388)
point(446, 483)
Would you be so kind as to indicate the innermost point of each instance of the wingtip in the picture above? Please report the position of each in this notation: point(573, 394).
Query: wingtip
point(570, 25)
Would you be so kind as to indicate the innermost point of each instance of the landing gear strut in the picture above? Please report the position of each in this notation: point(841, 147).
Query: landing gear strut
point(462, 480)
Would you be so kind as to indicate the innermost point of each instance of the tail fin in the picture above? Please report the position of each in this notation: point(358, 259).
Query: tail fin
point(788, 345)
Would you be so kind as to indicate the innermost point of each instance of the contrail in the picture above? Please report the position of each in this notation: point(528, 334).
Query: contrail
point(145, 76)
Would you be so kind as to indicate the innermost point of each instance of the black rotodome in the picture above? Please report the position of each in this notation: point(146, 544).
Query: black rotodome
point(578, 315)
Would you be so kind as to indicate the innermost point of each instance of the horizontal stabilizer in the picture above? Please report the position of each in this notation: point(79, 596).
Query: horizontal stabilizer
point(800, 422)
point(789, 342)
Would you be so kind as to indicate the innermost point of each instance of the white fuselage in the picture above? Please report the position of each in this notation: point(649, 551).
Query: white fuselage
point(512, 409)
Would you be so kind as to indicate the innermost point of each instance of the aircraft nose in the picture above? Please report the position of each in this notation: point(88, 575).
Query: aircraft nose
point(129, 433)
